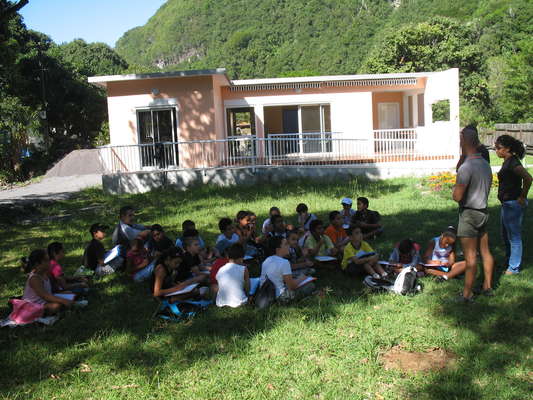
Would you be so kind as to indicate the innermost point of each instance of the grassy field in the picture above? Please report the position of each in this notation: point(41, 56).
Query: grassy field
point(324, 347)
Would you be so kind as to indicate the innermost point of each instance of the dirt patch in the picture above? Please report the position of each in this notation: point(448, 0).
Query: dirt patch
point(409, 361)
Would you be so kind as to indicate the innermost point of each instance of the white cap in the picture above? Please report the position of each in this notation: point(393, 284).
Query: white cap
point(346, 200)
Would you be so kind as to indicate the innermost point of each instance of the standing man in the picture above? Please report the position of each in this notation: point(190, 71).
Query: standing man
point(471, 191)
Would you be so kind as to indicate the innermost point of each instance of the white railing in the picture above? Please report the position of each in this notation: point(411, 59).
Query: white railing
point(298, 149)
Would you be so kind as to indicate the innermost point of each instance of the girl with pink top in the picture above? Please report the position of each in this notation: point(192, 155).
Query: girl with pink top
point(60, 282)
point(38, 287)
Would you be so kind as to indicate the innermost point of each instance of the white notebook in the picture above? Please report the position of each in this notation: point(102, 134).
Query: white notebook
point(306, 281)
point(186, 289)
point(66, 296)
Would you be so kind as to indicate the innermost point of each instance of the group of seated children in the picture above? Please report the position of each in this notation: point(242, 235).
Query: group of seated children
point(288, 255)
point(47, 286)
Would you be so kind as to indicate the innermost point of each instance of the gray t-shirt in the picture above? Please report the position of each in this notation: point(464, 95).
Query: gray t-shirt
point(476, 174)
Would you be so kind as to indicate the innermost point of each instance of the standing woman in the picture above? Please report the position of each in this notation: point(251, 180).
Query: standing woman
point(514, 184)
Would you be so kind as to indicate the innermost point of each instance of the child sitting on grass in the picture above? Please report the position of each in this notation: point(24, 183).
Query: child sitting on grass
point(192, 263)
point(246, 231)
point(336, 232)
point(188, 225)
point(440, 255)
point(304, 217)
point(296, 257)
point(359, 258)
point(347, 212)
point(158, 242)
point(318, 244)
point(368, 220)
point(227, 235)
point(233, 279)
point(138, 263)
point(278, 269)
point(38, 288)
point(56, 253)
point(94, 255)
point(405, 254)
point(267, 226)
point(164, 277)
point(279, 229)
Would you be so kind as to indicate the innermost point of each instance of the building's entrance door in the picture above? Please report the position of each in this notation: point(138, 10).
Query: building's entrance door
point(158, 134)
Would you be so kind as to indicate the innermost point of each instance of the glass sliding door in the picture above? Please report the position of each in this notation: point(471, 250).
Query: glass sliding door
point(158, 133)
point(316, 128)
point(241, 128)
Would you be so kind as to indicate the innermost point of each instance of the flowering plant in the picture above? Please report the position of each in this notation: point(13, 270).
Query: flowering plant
point(446, 180)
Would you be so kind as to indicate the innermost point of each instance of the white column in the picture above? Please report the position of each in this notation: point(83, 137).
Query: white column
point(260, 129)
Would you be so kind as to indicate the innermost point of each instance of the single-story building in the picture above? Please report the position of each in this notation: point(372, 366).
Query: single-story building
point(202, 119)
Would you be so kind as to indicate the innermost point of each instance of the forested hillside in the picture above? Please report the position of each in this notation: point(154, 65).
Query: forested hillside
point(490, 40)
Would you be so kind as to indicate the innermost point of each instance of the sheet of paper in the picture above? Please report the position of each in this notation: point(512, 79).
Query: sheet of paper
point(325, 258)
point(186, 289)
point(363, 254)
point(306, 281)
point(66, 296)
point(111, 254)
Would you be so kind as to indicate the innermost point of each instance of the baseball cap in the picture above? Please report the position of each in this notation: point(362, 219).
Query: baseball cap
point(98, 227)
point(347, 200)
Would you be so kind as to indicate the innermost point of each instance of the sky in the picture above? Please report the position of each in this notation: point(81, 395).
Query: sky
point(91, 20)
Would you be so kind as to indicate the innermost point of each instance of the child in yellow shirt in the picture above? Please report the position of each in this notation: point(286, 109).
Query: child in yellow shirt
point(359, 257)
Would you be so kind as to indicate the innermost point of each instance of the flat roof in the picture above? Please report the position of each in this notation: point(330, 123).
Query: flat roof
point(329, 78)
point(103, 80)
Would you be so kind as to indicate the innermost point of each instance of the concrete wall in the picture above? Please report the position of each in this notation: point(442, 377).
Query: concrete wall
point(141, 182)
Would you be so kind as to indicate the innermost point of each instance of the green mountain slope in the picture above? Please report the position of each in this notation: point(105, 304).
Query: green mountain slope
point(269, 38)
point(256, 38)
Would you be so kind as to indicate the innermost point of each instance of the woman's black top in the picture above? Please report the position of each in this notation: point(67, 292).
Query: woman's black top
point(510, 183)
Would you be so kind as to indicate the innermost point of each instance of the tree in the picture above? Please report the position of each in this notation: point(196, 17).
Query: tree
point(512, 100)
point(91, 59)
point(438, 44)
point(8, 9)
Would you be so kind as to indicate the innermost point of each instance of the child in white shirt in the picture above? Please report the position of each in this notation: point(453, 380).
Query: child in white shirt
point(233, 279)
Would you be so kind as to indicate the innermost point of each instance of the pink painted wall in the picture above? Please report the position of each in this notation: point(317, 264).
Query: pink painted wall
point(193, 97)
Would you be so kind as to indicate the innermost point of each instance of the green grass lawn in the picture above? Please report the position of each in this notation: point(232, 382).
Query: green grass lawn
point(320, 348)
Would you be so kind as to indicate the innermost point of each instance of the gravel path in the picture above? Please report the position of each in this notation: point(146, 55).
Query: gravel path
point(50, 189)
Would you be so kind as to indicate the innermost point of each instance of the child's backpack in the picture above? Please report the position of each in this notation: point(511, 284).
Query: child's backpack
point(266, 294)
point(378, 284)
point(406, 282)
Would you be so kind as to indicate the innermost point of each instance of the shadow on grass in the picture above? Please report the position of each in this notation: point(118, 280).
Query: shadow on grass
point(116, 328)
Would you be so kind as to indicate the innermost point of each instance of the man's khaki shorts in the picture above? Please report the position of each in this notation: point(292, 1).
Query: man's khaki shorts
point(472, 223)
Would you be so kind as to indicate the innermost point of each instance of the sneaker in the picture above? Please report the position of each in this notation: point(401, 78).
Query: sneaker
point(441, 279)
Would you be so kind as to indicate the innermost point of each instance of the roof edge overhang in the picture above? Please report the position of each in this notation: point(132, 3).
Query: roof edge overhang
point(102, 81)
